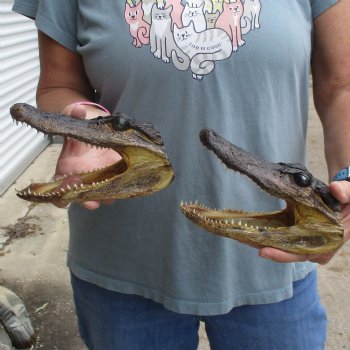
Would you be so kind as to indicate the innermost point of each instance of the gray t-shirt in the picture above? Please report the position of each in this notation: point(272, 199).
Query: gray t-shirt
point(239, 68)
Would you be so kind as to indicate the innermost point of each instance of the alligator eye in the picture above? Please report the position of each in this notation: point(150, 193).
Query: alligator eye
point(302, 180)
point(121, 124)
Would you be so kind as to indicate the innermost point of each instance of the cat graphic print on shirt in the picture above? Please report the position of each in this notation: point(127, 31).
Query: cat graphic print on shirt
point(192, 34)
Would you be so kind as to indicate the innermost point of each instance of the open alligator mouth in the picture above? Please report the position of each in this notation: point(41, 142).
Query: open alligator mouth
point(310, 223)
point(143, 169)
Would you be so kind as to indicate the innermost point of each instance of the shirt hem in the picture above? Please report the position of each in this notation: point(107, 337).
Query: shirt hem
point(188, 307)
point(321, 6)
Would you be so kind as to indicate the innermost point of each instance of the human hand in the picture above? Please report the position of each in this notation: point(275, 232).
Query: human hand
point(341, 191)
point(76, 157)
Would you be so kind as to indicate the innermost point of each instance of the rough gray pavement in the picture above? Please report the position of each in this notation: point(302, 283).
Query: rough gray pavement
point(33, 264)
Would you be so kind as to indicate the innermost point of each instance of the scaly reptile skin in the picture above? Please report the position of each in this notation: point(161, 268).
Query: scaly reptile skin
point(143, 170)
point(310, 224)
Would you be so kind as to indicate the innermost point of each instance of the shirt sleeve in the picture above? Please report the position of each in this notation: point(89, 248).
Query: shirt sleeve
point(58, 20)
point(26, 8)
point(319, 6)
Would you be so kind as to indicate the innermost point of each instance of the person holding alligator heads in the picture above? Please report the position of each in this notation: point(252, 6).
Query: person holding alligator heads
point(143, 275)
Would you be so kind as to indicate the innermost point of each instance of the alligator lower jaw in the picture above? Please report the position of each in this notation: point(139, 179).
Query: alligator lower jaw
point(283, 229)
point(139, 173)
point(235, 218)
point(63, 187)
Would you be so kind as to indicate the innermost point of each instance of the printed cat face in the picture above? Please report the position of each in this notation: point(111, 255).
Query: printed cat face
point(192, 12)
point(184, 33)
point(161, 14)
point(235, 7)
point(133, 14)
point(212, 17)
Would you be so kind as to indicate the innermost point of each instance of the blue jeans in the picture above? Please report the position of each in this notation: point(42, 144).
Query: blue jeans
point(112, 321)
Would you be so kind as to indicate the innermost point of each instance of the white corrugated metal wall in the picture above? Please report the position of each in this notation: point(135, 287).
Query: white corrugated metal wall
point(19, 71)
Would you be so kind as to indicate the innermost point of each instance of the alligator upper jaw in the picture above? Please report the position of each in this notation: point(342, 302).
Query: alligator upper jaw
point(143, 170)
point(310, 223)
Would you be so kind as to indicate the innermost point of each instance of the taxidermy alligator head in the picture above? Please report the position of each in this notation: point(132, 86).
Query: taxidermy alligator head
point(143, 170)
point(310, 223)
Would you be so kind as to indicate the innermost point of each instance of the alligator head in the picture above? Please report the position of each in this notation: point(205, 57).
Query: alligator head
point(310, 223)
point(143, 170)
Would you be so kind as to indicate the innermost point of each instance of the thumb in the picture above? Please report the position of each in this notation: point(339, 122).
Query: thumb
point(340, 190)
point(75, 111)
